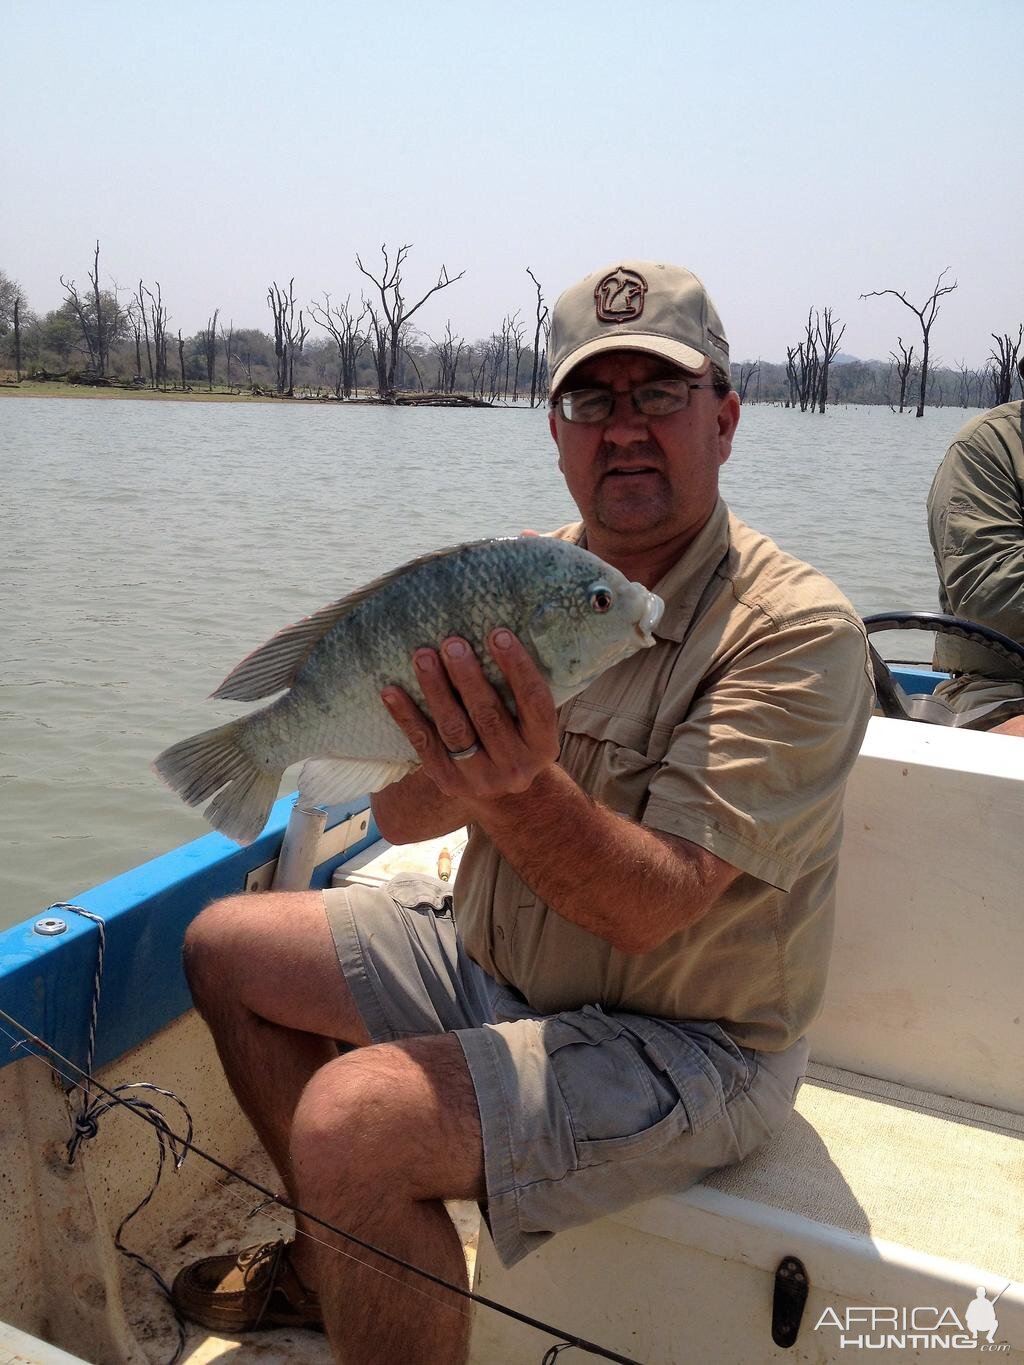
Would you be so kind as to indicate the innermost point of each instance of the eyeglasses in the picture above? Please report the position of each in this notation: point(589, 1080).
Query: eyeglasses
point(656, 398)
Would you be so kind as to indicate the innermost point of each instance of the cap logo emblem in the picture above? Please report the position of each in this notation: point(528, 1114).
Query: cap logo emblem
point(620, 296)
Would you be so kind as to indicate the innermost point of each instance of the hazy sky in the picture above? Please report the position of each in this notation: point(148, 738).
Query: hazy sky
point(791, 154)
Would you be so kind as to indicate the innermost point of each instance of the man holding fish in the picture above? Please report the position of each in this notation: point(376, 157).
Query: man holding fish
point(643, 913)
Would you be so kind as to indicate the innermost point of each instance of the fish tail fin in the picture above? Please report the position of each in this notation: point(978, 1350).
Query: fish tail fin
point(216, 761)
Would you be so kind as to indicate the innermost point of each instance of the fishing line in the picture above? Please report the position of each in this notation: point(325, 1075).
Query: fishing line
point(564, 1339)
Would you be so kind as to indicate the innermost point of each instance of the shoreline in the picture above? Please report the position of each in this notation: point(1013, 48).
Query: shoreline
point(29, 388)
point(50, 388)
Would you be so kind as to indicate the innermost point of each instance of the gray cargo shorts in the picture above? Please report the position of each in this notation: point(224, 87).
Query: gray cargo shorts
point(582, 1113)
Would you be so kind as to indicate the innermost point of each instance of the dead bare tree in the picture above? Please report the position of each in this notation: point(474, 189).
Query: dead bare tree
point(963, 384)
point(396, 313)
point(803, 368)
point(748, 369)
point(1004, 364)
point(209, 341)
point(926, 315)
point(791, 376)
point(159, 318)
point(902, 362)
point(377, 340)
point(13, 310)
point(145, 329)
point(181, 361)
point(476, 372)
point(517, 330)
point(289, 335)
point(448, 351)
point(829, 340)
point(227, 340)
point(541, 317)
point(90, 316)
point(343, 326)
point(246, 360)
point(408, 355)
point(135, 323)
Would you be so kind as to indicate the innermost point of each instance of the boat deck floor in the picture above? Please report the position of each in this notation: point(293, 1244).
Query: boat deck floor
point(220, 1222)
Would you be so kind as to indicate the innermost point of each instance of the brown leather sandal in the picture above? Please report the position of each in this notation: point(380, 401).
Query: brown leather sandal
point(255, 1289)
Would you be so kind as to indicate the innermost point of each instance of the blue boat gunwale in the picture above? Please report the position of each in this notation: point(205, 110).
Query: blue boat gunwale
point(46, 983)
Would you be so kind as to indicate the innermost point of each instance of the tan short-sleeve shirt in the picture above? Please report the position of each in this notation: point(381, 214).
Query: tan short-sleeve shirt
point(736, 731)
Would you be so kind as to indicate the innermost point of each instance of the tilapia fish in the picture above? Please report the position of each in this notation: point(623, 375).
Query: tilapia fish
point(574, 614)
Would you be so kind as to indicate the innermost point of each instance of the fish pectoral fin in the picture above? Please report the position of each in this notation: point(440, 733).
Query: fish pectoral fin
point(327, 781)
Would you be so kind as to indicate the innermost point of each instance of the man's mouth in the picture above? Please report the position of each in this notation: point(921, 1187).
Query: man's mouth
point(630, 471)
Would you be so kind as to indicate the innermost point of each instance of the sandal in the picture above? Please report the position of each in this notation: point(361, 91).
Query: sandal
point(254, 1289)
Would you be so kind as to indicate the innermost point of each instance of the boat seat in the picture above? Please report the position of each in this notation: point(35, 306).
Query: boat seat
point(868, 1157)
point(887, 1194)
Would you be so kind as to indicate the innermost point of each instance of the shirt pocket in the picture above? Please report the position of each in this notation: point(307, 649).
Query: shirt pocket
point(613, 756)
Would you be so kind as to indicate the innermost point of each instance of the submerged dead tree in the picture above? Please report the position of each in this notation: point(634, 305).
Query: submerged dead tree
point(393, 320)
point(902, 363)
point(828, 339)
point(748, 369)
point(926, 315)
point(537, 389)
point(1004, 365)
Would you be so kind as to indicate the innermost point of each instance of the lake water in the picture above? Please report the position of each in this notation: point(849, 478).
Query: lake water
point(146, 547)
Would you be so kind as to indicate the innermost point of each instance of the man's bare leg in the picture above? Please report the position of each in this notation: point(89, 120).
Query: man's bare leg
point(379, 1137)
point(264, 975)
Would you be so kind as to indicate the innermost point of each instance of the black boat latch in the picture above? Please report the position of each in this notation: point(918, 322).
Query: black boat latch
point(788, 1301)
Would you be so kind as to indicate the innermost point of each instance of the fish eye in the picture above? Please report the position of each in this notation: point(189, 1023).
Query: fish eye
point(600, 597)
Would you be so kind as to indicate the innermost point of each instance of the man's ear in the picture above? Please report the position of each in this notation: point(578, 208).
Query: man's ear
point(728, 421)
point(553, 428)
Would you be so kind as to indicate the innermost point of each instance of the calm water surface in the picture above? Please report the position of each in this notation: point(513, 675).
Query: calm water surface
point(146, 547)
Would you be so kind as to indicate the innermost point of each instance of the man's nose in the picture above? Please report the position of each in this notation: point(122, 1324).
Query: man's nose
point(625, 426)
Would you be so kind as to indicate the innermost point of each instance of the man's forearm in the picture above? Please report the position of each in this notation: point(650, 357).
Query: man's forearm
point(414, 809)
point(611, 876)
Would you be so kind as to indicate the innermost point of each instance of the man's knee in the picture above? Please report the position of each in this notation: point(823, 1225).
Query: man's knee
point(400, 1115)
point(345, 1120)
point(208, 949)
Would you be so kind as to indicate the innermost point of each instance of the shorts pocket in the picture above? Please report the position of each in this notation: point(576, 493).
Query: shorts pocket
point(700, 1060)
point(618, 1106)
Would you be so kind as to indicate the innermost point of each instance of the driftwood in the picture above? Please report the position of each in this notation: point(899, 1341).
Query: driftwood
point(440, 400)
point(426, 400)
point(96, 381)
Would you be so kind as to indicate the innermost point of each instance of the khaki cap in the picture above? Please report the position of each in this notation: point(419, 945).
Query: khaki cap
point(636, 306)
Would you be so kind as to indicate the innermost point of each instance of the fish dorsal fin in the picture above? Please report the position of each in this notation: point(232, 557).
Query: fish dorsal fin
point(275, 665)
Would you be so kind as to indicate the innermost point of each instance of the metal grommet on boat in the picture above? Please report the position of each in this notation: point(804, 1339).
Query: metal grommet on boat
point(50, 926)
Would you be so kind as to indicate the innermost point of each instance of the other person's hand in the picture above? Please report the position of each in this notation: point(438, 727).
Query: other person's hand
point(465, 710)
point(1013, 726)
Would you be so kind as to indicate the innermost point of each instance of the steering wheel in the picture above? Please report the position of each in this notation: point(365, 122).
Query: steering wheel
point(900, 705)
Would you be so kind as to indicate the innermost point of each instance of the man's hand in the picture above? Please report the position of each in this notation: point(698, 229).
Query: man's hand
point(464, 709)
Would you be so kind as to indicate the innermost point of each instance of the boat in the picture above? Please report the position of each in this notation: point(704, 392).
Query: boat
point(891, 1203)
